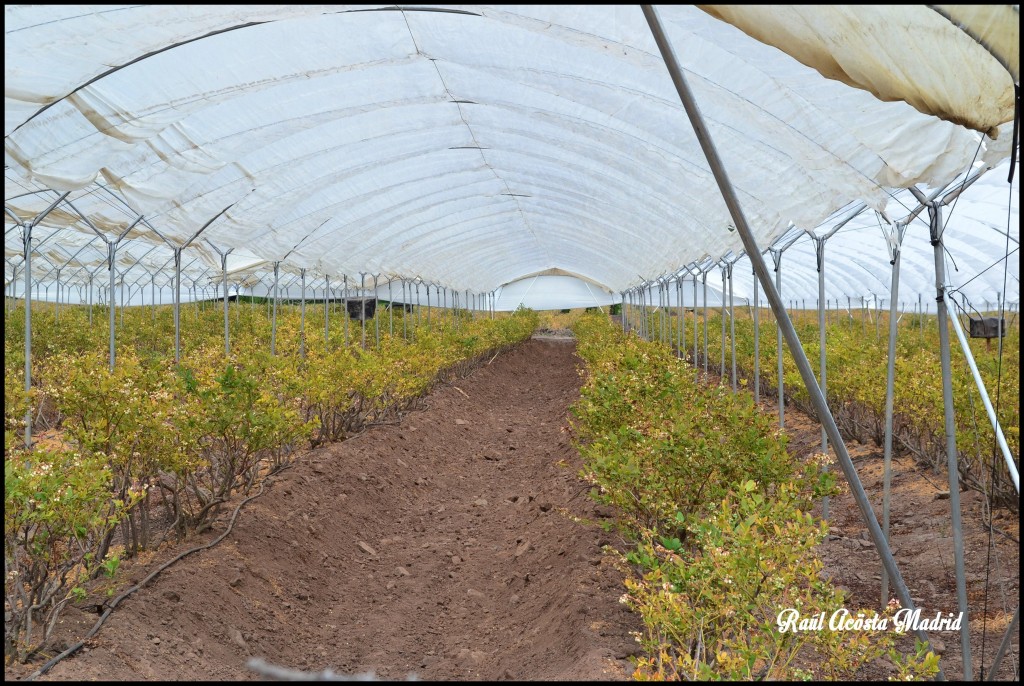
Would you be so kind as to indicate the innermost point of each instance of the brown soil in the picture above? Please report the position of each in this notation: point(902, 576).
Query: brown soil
point(445, 546)
point(473, 565)
point(922, 543)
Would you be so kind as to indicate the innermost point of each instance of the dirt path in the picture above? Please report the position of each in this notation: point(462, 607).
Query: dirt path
point(441, 546)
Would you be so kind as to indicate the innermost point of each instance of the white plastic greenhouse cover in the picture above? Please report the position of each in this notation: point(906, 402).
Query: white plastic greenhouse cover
point(502, 147)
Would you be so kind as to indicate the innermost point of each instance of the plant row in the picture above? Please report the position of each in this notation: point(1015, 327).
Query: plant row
point(856, 362)
point(720, 515)
point(156, 447)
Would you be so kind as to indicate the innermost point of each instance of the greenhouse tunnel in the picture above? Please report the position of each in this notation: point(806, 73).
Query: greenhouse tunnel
point(810, 158)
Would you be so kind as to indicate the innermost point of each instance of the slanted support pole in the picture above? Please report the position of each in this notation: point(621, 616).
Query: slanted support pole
point(935, 231)
point(894, 238)
point(986, 401)
point(750, 245)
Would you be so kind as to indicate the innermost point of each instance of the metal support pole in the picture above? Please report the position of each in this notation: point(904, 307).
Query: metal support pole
point(428, 305)
point(224, 278)
point(894, 239)
point(112, 305)
point(376, 319)
point(877, 318)
point(391, 310)
point(416, 329)
point(750, 245)
point(405, 317)
point(26, 237)
point(327, 318)
point(696, 369)
point(920, 315)
point(819, 250)
point(344, 306)
point(935, 225)
point(1000, 437)
point(705, 281)
point(777, 260)
point(273, 317)
point(177, 305)
point(721, 375)
point(302, 315)
point(732, 330)
point(682, 318)
point(362, 307)
point(757, 344)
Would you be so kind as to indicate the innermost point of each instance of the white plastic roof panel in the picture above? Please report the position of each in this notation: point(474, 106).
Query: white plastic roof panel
point(474, 146)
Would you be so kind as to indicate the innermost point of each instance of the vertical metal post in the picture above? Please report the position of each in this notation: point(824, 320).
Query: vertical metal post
point(405, 317)
point(819, 251)
point(757, 344)
point(894, 239)
point(391, 309)
point(428, 305)
point(695, 329)
point(878, 318)
point(177, 306)
point(302, 316)
point(777, 260)
point(56, 311)
point(416, 329)
point(273, 318)
point(112, 305)
point(705, 281)
point(750, 245)
point(682, 318)
point(344, 306)
point(362, 306)
point(376, 319)
point(327, 319)
point(920, 315)
point(935, 224)
point(732, 330)
point(26, 237)
point(721, 375)
point(224, 279)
